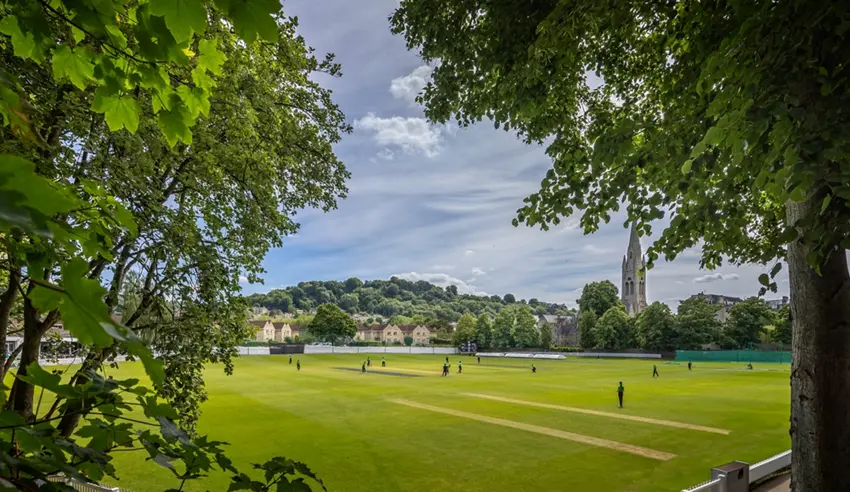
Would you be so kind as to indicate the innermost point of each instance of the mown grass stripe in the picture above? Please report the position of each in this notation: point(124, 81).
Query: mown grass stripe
point(621, 416)
point(546, 431)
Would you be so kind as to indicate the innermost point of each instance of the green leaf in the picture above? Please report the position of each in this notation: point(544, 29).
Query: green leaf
point(196, 100)
point(776, 268)
point(23, 43)
point(27, 200)
point(37, 376)
point(121, 112)
point(77, 34)
point(174, 127)
point(83, 311)
point(210, 58)
point(45, 299)
point(253, 17)
point(171, 432)
point(181, 16)
point(74, 65)
point(202, 79)
point(714, 136)
point(825, 204)
point(686, 167)
point(764, 279)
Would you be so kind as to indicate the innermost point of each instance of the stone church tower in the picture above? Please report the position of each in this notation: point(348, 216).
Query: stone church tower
point(633, 291)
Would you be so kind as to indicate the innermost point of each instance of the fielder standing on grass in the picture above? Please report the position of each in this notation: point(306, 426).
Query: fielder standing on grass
point(620, 391)
point(459, 367)
point(383, 362)
point(298, 365)
point(655, 371)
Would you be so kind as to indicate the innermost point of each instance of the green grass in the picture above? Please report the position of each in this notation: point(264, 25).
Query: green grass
point(343, 425)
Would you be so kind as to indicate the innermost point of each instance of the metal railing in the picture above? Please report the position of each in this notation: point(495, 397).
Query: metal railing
point(769, 466)
point(757, 472)
point(709, 486)
point(84, 486)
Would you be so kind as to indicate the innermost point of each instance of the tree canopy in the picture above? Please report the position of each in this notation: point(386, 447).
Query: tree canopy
point(727, 119)
point(598, 297)
point(656, 328)
point(465, 330)
point(332, 323)
point(150, 157)
point(394, 297)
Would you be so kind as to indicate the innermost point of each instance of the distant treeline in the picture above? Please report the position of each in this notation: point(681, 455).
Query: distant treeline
point(394, 297)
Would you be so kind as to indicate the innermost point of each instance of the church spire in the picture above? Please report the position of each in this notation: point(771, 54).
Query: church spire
point(634, 277)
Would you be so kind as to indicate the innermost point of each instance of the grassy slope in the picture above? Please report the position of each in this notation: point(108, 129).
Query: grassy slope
point(340, 423)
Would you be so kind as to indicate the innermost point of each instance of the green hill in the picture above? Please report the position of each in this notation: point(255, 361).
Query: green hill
point(395, 297)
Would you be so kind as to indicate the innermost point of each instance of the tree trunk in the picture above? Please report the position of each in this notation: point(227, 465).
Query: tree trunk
point(820, 371)
point(7, 301)
point(21, 397)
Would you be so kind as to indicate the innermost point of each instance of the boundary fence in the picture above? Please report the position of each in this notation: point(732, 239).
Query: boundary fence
point(329, 349)
point(732, 356)
point(564, 355)
point(83, 486)
point(326, 349)
point(757, 472)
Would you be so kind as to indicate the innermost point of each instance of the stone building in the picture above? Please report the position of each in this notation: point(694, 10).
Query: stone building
point(724, 302)
point(633, 288)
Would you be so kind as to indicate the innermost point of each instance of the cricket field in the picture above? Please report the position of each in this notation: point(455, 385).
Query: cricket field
point(495, 427)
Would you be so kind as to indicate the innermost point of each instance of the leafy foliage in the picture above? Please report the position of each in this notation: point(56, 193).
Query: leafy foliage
point(656, 328)
point(545, 335)
point(718, 116)
point(782, 333)
point(701, 106)
point(697, 323)
point(484, 331)
point(748, 320)
point(332, 324)
point(587, 329)
point(526, 333)
point(503, 329)
point(465, 330)
point(598, 297)
point(175, 224)
point(390, 298)
point(612, 331)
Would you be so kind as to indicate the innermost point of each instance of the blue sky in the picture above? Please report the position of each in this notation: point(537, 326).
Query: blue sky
point(435, 203)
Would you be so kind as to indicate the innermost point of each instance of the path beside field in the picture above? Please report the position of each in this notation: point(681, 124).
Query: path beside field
point(782, 483)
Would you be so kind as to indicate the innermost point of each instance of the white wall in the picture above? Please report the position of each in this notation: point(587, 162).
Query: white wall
point(253, 350)
point(325, 349)
point(557, 355)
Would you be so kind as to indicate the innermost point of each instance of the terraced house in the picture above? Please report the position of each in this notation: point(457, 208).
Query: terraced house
point(392, 333)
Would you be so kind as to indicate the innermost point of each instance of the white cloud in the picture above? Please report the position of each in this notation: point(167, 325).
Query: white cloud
point(410, 85)
point(592, 249)
point(442, 280)
point(411, 135)
point(478, 272)
point(468, 252)
point(713, 277)
point(386, 154)
point(243, 279)
point(443, 190)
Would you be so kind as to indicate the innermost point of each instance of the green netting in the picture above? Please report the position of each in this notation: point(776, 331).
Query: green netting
point(732, 356)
